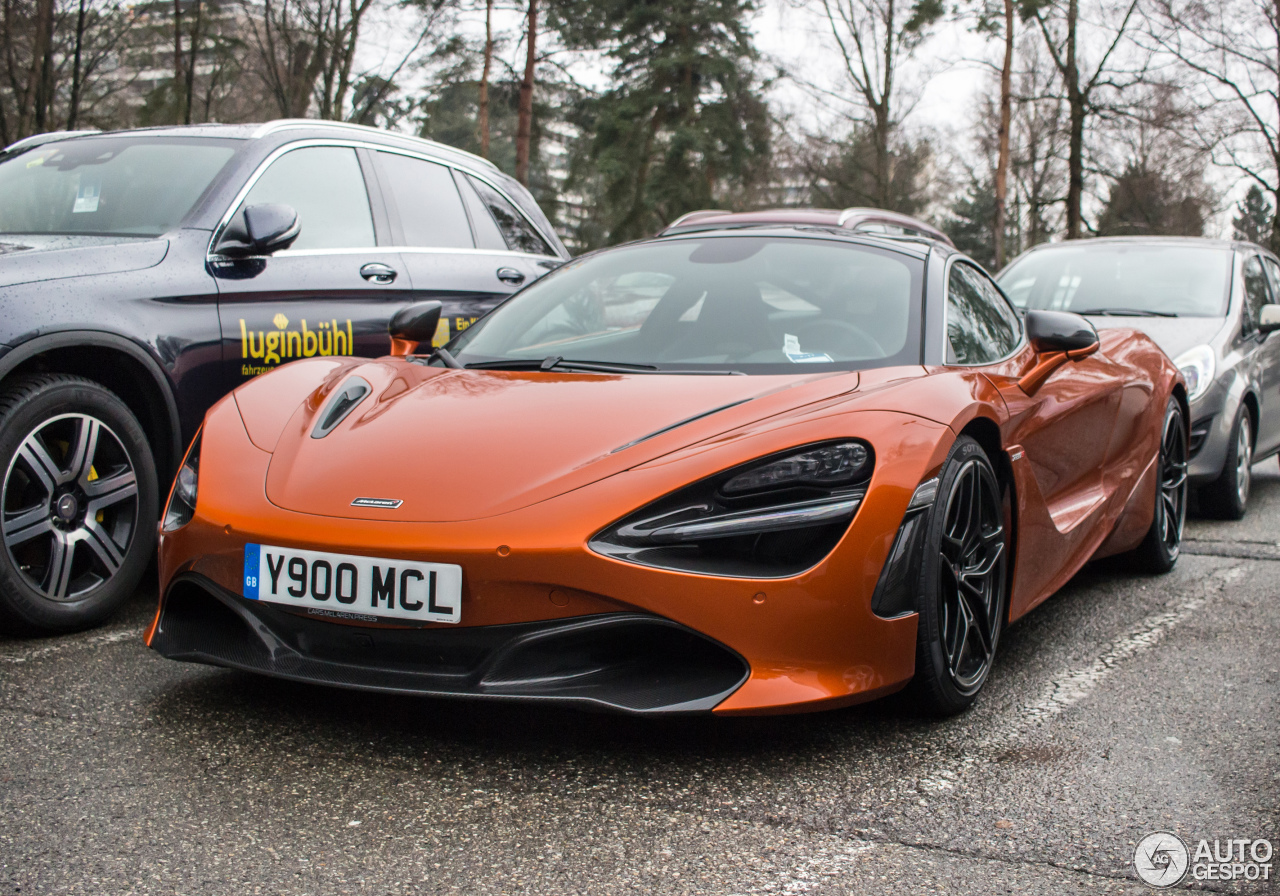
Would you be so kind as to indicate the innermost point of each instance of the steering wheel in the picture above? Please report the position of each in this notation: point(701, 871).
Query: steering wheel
point(839, 338)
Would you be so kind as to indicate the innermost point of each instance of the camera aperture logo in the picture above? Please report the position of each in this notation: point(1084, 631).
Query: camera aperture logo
point(1163, 859)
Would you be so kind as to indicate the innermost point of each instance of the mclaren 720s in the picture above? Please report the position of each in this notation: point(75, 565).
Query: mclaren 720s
point(753, 469)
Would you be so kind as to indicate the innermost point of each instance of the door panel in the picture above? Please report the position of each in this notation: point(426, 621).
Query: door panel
point(438, 223)
point(331, 293)
point(1268, 361)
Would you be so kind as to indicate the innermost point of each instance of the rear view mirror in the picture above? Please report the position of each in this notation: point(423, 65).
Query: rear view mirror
point(260, 230)
point(1060, 331)
point(413, 325)
point(1269, 318)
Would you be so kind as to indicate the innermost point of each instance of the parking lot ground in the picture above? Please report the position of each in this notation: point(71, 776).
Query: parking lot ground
point(1124, 705)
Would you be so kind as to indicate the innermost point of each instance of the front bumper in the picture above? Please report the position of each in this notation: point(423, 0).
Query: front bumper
point(627, 662)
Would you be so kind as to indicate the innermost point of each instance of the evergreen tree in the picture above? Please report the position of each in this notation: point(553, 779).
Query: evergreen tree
point(683, 125)
point(1144, 200)
point(971, 221)
point(1253, 223)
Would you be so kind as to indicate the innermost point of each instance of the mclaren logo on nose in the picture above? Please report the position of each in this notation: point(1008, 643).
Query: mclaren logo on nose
point(389, 503)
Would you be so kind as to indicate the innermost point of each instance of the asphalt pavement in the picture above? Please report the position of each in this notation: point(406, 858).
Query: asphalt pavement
point(1124, 705)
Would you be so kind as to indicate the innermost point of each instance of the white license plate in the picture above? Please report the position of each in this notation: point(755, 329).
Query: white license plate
point(348, 584)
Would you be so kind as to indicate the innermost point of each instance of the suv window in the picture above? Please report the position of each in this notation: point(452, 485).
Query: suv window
point(981, 325)
point(517, 233)
point(1256, 292)
point(325, 187)
point(424, 194)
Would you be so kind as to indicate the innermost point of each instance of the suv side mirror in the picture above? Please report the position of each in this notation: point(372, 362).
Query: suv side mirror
point(413, 325)
point(1269, 318)
point(1061, 331)
point(260, 230)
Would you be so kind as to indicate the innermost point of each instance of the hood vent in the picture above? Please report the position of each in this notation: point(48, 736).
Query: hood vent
point(343, 403)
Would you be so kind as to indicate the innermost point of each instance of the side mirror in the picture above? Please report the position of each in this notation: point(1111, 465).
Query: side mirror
point(1269, 318)
point(1061, 331)
point(260, 230)
point(1057, 337)
point(413, 325)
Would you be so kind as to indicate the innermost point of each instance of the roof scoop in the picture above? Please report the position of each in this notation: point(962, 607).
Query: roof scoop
point(342, 403)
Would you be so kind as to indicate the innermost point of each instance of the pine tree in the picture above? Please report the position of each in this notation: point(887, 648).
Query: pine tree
point(1253, 223)
point(683, 126)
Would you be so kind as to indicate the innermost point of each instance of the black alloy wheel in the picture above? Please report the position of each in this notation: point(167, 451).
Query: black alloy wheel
point(963, 587)
point(79, 500)
point(1163, 542)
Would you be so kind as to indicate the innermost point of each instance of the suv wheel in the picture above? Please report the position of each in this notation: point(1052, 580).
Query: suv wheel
point(1227, 496)
point(80, 504)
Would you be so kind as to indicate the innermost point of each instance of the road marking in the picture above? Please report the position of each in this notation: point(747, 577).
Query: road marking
point(819, 867)
point(1070, 687)
point(69, 642)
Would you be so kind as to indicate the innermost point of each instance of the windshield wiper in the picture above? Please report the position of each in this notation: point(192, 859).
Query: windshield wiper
point(1125, 312)
point(555, 362)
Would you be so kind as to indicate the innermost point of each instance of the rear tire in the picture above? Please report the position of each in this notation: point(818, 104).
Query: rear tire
point(80, 504)
point(1227, 497)
point(1163, 542)
point(961, 601)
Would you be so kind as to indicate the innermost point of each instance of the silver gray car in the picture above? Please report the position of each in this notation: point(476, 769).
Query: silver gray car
point(1205, 303)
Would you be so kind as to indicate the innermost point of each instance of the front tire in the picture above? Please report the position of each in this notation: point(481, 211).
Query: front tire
point(1227, 497)
point(80, 504)
point(1163, 542)
point(961, 601)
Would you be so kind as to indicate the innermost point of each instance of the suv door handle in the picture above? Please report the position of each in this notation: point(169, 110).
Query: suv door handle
point(377, 272)
point(510, 275)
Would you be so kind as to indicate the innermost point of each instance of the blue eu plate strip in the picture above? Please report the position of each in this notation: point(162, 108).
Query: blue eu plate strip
point(252, 553)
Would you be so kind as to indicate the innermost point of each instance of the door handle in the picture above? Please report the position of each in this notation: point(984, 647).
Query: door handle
point(377, 272)
point(510, 275)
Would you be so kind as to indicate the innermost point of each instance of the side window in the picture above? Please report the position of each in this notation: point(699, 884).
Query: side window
point(431, 212)
point(981, 327)
point(1256, 292)
point(518, 233)
point(1273, 268)
point(325, 186)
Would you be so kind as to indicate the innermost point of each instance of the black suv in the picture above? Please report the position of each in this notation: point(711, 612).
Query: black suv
point(147, 273)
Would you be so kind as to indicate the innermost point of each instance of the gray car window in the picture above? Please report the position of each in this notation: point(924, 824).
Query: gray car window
point(981, 327)
point(1256, 292)
point(325, 187)
point(431, 212)
point(1273, 268)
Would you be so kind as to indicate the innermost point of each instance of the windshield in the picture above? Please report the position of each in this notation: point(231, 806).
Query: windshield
point(1173, 280)
point(742, 304)
point(108, 186)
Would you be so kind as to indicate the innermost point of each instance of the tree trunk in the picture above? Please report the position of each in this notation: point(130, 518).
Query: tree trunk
point(1002, 137)
point(524, 120)
point(1076, 105)
point(73, 101)
point(179, 70)
point(484, 78)
point(193, 47)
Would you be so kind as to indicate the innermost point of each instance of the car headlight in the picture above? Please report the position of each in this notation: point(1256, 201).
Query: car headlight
point(182, 500)
point(774, 517)
point(1197, 367)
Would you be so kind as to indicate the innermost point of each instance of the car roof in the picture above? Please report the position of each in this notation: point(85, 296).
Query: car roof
point(295, 127)
point(844, 219)
point(1150, 240)
point(916, 246)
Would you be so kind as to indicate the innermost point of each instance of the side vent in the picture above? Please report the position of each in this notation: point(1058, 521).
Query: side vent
point(342, 403)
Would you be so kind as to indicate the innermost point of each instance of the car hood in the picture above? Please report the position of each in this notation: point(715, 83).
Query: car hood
point(454, 445)
point(1173, 334)
point(28, 258)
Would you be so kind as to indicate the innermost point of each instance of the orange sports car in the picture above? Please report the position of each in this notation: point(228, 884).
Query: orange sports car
point(756, 468)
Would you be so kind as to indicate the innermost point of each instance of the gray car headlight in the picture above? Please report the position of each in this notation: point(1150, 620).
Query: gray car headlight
point(1197, 366)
